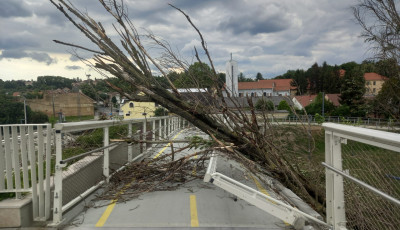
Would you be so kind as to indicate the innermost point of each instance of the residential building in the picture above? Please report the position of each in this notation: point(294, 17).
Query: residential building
point(373, 83)
point(133, 109)
point(270, 87)
point(60, 101)
point(300, 102)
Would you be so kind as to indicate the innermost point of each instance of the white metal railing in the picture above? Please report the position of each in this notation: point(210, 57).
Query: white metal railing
point(337, 135)
point(166, 126)
point(273, 206)
point(25, 161)
point(375, 123)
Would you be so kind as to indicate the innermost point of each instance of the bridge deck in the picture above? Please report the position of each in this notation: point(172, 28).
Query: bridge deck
point(194, 204)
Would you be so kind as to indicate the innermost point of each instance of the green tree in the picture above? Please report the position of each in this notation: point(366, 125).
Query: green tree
point(352, 92)
point(313, 75)
point(242, 78)
point(387, 102)
point(264, 105)
point(89, 91)
point(316, 106)
point(198, 75)
point(11, 112)
point(259, 76)
point(160, 111)
point(283, 105)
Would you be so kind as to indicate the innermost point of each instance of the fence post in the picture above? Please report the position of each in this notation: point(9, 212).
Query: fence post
point(144, 131)
point(106, 161)
point(169, 126)
point(335, 207)
point(159, 129)
point(130, 147)
point(57, 209)
point(165, 128)
point(153, 132)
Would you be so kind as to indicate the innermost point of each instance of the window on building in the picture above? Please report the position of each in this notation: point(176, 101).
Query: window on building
point(131, 105)
point(374, 90)
point(265, 94)
point(374, 82)
point(368, 83)
point(240, 94)
point(252, 94)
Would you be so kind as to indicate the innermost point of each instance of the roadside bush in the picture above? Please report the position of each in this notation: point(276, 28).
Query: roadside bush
point(264, 105)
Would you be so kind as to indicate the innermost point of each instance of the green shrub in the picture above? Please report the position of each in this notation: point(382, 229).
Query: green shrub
point(264, 105)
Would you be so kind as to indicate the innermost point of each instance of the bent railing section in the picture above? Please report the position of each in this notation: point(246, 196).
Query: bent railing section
point(275, 207)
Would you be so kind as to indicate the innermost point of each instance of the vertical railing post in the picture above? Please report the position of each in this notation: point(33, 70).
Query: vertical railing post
point(335, 206)
point(165, 128)
point(159, 129)
point(106, 160)
point(153, 132)
point(169, 126)
point(57, 209)
point(144, 130)
point(130, 147)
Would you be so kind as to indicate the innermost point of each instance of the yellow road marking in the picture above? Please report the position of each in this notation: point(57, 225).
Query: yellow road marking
point(259, 186)
point(195, 166)
point(263, 190)
point(106, 214)
point(110, 207)
point(194, 221)
point(162, 150)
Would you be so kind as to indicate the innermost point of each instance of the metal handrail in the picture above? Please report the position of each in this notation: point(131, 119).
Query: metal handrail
point(365, 185)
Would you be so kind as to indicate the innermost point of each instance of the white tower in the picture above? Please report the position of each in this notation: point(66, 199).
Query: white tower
point(232, 74)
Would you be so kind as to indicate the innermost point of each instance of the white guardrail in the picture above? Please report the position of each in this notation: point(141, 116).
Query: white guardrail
point(166, 126)
point(337, 135)
point(25, 155)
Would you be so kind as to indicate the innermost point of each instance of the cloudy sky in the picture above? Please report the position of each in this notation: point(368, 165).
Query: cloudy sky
point(266, 36)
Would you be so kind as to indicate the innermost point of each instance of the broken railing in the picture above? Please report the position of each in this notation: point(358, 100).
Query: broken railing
point(85, 158)
point(274, 206)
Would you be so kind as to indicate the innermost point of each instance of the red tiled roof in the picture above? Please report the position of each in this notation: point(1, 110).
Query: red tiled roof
point(342, 72)
point(334, 98)
point(277, 84)
point(16, 94)
point(374, 77)
point(305, 100)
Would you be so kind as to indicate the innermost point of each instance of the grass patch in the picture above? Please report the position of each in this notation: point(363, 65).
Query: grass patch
point(77, 118)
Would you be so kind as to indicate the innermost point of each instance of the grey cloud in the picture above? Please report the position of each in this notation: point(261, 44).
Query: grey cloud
point(12, 8)
point(17, 42)
point(257, 21)
point(73, 58)
point(18, 54)
point(73, 67)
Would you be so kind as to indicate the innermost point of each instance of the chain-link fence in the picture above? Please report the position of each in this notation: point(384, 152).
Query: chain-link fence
point(379, 168)
point(363, 177)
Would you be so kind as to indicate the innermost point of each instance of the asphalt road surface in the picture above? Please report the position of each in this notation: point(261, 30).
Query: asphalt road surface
point(194, 204)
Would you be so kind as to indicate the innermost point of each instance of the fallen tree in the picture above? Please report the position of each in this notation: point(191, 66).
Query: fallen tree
point(259, 143)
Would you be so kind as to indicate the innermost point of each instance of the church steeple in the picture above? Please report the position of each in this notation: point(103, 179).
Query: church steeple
point(232, 74)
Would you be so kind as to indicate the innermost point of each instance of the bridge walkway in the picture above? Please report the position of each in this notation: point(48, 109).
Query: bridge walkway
point(194, 204)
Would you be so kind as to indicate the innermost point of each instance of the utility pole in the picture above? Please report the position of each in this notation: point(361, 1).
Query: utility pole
point(26, 122)
point(323, 104)
point(54, 110)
